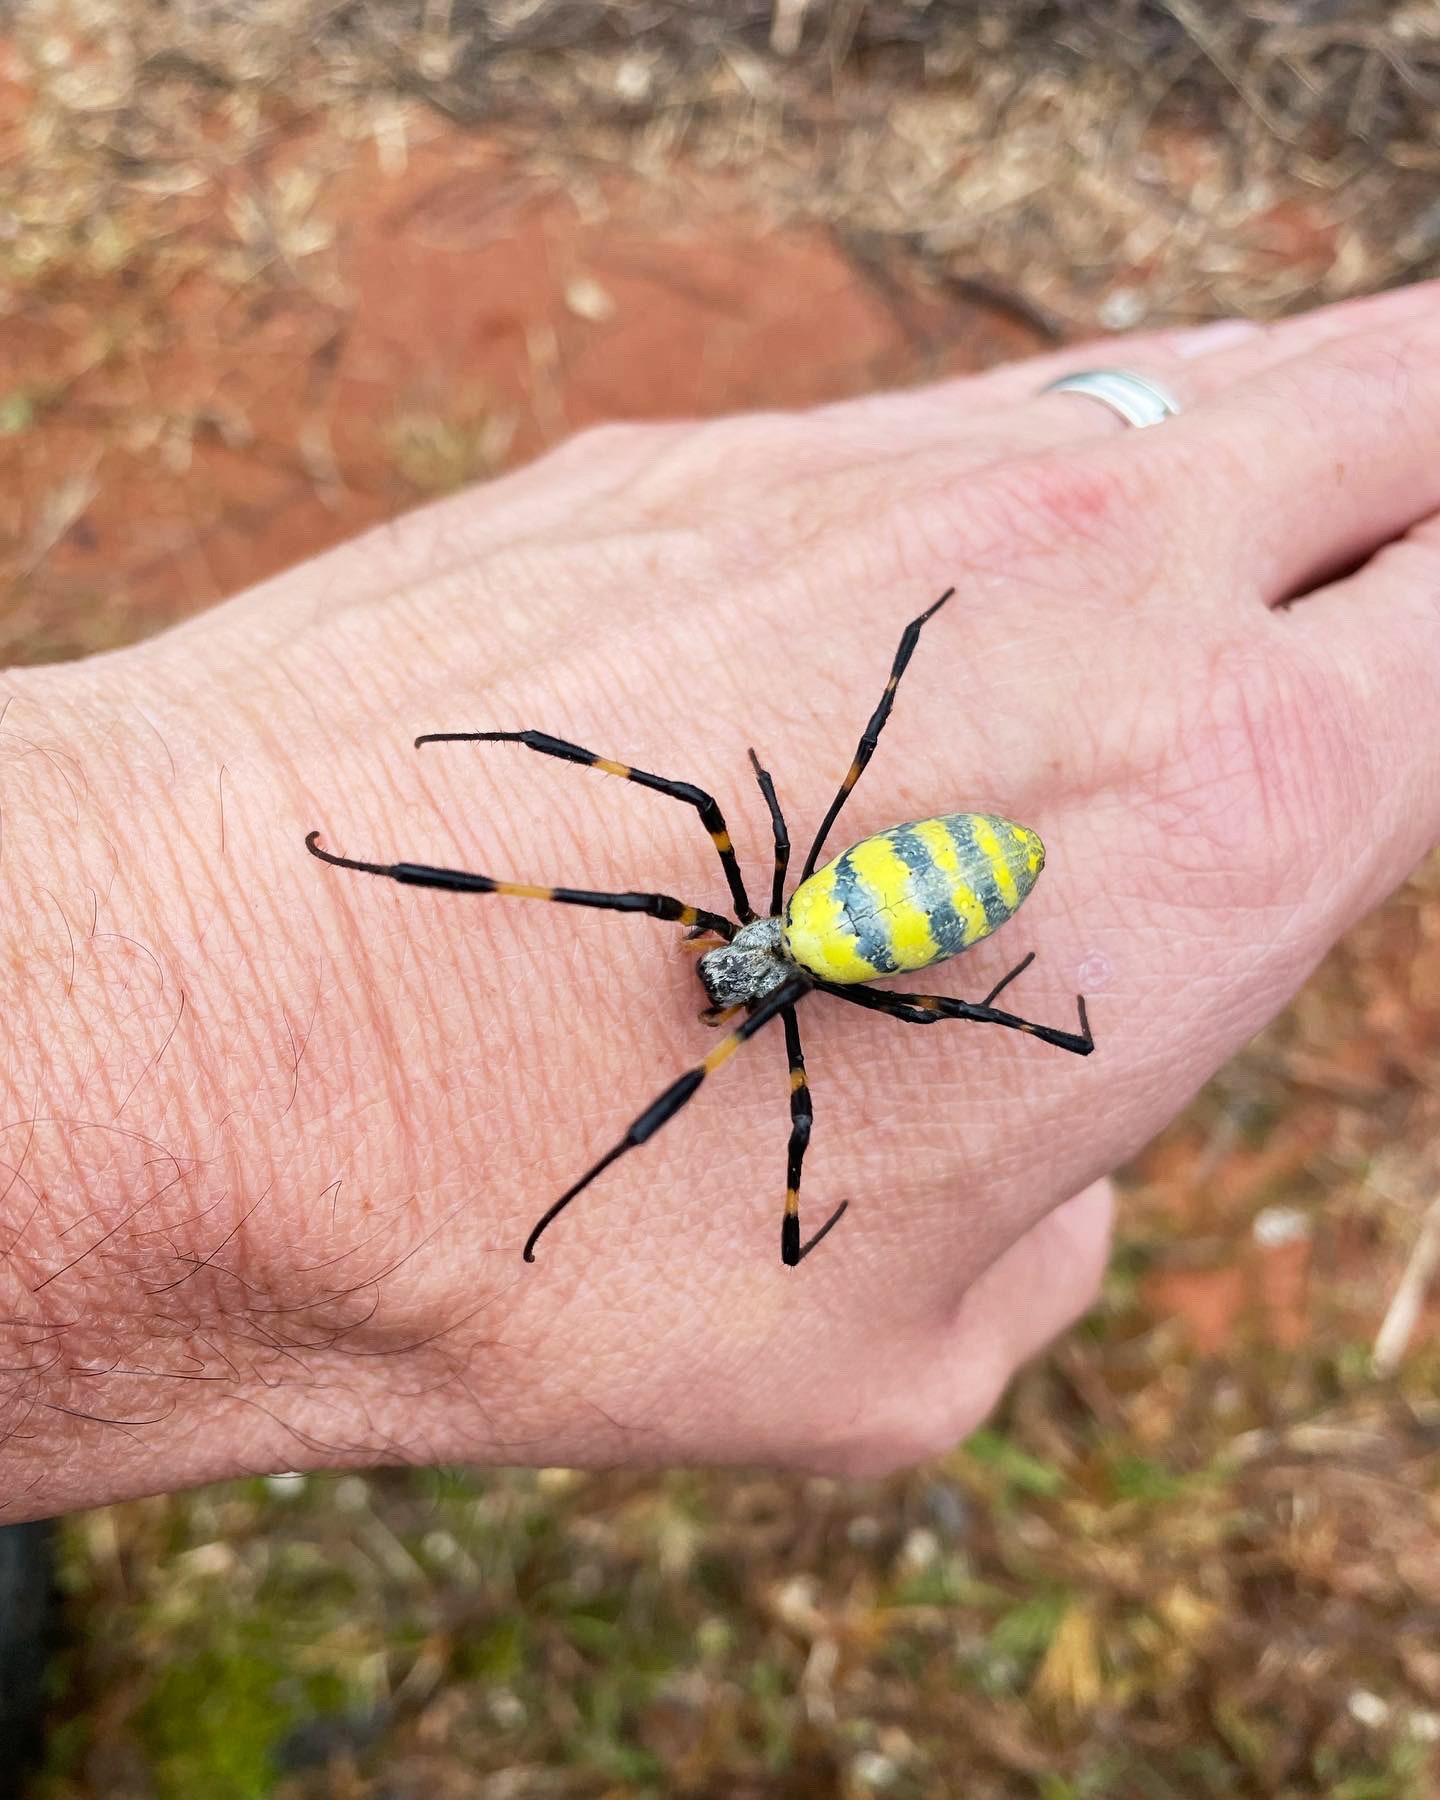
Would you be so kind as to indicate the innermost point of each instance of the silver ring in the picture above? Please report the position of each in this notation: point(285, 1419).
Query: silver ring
point(1137, 399)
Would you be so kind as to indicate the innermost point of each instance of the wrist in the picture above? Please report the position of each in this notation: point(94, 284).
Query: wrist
point(197, 1241)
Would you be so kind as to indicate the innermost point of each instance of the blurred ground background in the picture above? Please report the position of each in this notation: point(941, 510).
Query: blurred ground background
point(271, 270)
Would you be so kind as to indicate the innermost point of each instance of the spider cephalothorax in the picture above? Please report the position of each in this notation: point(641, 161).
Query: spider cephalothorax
point(899, 901)
point(753, 964)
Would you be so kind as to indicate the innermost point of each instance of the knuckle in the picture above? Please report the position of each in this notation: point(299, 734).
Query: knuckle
point(1017, 517)
point(1045, 498)
point(1259, 758)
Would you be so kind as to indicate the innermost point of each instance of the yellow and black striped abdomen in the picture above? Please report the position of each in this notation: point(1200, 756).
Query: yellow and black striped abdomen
point(911, 896)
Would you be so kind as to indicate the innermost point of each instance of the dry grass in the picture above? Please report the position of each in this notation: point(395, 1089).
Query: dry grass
point(1103, 165)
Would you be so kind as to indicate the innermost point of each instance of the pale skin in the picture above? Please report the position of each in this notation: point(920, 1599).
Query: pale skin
point(279, 1225)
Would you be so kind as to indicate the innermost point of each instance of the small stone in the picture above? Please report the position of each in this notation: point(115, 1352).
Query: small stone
point(920, 1550)
point(1277, 1225)
point(588, 300)
point(1368, 1709)
point(352, 1494)
point(633, 79)
point(506, 1708)
point(1122, 309)
point(212, 1560)
point(874, 1770)
point(556, 1481)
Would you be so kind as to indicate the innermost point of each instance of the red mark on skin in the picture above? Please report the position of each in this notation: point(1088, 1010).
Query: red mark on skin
point(1094, 974)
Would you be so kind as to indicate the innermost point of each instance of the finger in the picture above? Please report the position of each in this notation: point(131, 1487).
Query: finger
point(1001, 414)
point(1008, 413)
point(1376, 635)
point(1302, 469)
point(882, 443)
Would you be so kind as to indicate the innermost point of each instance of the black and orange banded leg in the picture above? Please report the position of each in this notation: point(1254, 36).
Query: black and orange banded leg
point(930, 1009)
point(779, 829)
point(802, 1117)
point(460, 881)
point(909, 638)
point(679, 1093)
point(710, 815)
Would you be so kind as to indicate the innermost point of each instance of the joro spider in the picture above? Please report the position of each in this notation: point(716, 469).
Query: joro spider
point(896, 902)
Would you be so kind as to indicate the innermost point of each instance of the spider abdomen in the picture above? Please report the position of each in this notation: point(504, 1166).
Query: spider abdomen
point(911, 896)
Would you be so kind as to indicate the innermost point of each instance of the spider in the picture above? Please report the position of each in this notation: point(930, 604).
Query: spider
point(896, 902)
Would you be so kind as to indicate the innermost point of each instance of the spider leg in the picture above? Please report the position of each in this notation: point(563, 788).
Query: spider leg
point(1005, 980)
point(459, 881)
point(678, 1094)
point(710, 815)
point(781, 832)
point(909, 638)
point(802, 1117)
point(929, 1009)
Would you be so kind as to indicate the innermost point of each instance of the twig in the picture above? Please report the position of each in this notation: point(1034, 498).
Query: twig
point(1404, 1311)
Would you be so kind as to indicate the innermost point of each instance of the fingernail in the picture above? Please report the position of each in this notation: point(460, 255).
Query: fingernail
point(1217, 336)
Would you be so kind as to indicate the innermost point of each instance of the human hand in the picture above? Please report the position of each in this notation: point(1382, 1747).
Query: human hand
point(281, 1225)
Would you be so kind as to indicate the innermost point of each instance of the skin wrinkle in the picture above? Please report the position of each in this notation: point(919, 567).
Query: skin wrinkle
point(184, 852)
point(1251, 748)
point(53, 1073)
point(368, 1022)
point(117, 1228)
point(429, 979)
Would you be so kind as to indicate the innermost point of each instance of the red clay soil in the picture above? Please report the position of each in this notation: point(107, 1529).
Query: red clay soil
point(188, 425)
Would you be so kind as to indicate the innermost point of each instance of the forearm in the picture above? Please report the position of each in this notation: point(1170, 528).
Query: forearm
point(198, 1238)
